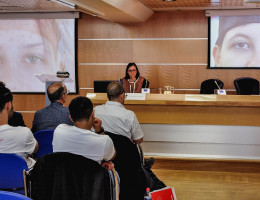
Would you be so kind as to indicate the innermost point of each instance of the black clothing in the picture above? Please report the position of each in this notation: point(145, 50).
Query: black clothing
point(16, 120)
point(67, 176)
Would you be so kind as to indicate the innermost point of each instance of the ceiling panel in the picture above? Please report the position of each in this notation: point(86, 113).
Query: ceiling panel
point(31, 6)
point(160, 5)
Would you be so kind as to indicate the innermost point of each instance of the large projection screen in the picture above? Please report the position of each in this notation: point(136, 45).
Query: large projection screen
point(36, 46)
point(234, 42)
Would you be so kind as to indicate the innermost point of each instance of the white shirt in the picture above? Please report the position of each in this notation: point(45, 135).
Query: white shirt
point(18, 140)
point(82, 142)
point(116, 119)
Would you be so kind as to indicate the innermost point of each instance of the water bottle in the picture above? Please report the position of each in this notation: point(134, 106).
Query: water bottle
point(147, 195)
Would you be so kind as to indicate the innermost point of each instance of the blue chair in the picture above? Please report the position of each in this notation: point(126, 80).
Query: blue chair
point(12, 196)
point(11, 173)
point(44, 138)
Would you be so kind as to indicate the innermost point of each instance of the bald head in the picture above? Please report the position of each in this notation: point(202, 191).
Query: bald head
point(55, 91)
point(114, 90)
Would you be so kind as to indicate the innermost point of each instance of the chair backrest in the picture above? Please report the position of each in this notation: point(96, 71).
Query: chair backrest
point(146, 84)
point(67, 176)
point(208, 86)
point(11, 171)
point(44, 138)
point(12, 196)
point(246, 86)
point(128, 165)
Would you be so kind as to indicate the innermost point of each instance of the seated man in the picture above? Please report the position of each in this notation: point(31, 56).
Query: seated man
point(18, 140)
point(54, 114)
point(79, 139)
point(118, 120)
point(17, 118)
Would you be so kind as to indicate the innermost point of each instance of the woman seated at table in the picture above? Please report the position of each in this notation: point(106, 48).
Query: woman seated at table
point(133, 82)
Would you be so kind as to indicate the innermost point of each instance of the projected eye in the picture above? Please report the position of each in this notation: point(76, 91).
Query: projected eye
point(33, 59)
point(242, 45)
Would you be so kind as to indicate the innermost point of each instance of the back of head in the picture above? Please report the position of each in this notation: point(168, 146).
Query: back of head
point(80, 108)
point(2, 84)
point(5, 96)
point(55, 91)
point(114, 90)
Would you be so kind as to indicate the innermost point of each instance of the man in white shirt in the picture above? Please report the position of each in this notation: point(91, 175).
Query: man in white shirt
point(117, 119)
point(79, 139)
point(18, 140)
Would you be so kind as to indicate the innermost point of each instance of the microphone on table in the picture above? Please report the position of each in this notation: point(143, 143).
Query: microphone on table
point(220, 91)
point(217, 85)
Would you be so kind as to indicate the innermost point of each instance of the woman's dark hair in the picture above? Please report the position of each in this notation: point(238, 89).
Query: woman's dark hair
point(126, 71)
point(80, 108)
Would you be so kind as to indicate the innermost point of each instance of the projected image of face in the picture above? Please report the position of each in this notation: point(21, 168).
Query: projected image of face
point(29, 47)
point(24, 52)
point(238, 44)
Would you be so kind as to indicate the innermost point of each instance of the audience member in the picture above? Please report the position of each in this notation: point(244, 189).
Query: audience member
point(54, 114)
point(17, 118)
point(18, 140)
point(79, 139)
point(117, 119)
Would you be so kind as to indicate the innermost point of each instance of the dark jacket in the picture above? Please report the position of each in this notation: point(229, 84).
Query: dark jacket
point(66, 176)
point(128, 165)
point(16, 120)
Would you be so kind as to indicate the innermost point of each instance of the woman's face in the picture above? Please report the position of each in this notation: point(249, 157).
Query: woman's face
point(23, 53)
point(132, 72)
point(240, 48)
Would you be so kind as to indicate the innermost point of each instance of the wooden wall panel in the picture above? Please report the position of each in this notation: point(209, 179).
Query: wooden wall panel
point(112, 51)
point(181, 77)
point(170, 51)
point(184, 24)
point(94, 27)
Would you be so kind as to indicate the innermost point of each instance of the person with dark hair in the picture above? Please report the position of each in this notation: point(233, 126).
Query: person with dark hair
point(17, 118)
point(79, 139)
point(18, 140)
point(238, 43)
point(133, 82)
point(54, 114)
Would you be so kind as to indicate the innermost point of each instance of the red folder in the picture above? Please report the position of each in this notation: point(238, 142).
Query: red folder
point(166, 193)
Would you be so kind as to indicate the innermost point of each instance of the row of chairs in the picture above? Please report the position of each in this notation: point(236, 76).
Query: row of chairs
point(244, 86)
point(13, 168)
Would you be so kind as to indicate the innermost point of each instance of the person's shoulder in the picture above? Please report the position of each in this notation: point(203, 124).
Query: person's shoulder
point(20, 129)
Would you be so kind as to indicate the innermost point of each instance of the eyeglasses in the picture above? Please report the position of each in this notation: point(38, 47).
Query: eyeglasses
point(133, 70)
point(125, 95)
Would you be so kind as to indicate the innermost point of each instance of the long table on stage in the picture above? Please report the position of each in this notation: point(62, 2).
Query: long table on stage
point(199, 109)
